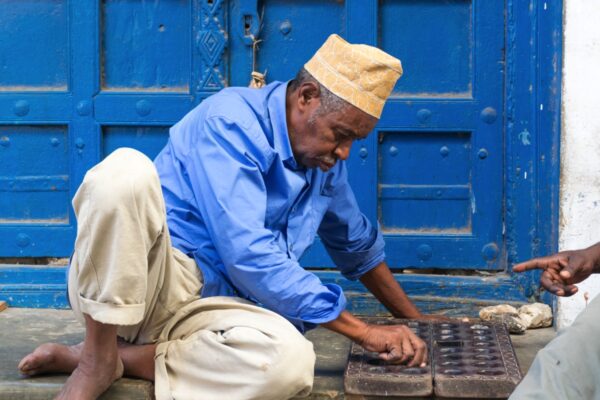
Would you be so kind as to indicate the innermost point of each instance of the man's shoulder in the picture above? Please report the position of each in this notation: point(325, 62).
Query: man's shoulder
point(240, 105)
point(225, 105)
point(237, 116)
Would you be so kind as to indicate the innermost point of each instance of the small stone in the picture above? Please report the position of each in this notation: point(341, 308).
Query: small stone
point(536, 315)
point(486, 313)
point(506, 314)
point(513, 323)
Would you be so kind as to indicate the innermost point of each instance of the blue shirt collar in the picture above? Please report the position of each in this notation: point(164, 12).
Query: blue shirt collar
point(281, 138)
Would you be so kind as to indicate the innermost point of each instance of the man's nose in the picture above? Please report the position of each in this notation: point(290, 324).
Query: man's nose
point(343, 150)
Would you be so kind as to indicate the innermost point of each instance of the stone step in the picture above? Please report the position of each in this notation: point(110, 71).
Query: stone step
point(22, 329)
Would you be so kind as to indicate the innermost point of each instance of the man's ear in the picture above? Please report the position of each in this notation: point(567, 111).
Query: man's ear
point(307, 93)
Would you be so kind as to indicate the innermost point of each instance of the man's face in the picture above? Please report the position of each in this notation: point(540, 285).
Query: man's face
point(320, 140)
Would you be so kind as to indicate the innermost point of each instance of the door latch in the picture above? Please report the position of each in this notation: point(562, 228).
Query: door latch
point(250, 21)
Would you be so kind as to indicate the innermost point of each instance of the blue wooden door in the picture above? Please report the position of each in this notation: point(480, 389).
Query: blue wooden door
point(81, 78)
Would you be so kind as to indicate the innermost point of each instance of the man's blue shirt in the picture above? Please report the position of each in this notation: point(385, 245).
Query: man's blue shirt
point(238, 203)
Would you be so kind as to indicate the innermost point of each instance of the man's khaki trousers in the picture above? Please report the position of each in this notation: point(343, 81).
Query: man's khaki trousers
point(125, 272)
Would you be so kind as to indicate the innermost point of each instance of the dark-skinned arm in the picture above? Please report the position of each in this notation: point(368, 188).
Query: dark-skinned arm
point(381, 282)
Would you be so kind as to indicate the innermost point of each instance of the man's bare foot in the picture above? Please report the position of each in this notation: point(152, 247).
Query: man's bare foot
point(92, 377)
point(51, 358)
point(89, 378)
point(99, 363)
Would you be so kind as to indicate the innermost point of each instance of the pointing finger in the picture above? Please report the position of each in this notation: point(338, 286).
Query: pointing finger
point(529, 265)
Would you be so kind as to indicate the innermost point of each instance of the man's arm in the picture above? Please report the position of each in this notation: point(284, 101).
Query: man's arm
point(563, 270)
point(394, 343)
point(388, 291)
point(381, 282)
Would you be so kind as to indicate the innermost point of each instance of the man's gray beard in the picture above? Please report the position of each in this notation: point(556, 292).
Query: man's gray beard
point(327, 159)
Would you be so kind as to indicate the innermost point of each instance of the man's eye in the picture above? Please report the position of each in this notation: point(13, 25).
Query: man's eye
point(341, 136)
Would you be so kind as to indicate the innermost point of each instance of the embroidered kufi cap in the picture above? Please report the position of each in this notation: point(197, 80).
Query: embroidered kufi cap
point(362, 75)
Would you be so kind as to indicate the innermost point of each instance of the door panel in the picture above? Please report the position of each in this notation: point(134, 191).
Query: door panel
point(434, 39)
point(37, 189)
point(146, 45)
point(411, 200)
point(34, 52)
point(149, 140)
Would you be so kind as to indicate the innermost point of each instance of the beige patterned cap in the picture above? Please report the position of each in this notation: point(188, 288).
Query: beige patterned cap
point(362, 75)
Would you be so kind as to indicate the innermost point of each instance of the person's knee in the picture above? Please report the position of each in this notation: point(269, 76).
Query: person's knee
point(293, 372)
point(125, 175)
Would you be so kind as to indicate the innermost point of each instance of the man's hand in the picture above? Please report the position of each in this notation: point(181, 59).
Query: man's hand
point(396, 344)
point(563, 270)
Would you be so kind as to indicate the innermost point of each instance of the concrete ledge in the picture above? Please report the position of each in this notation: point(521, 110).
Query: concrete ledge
point(22, 329)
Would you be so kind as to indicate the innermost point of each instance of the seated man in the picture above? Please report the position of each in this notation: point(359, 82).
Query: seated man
point(193, 262)
point(568, 367)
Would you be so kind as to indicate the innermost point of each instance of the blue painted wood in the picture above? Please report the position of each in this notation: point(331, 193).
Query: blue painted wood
point(136, 109)
point(492, 288)
point(36, 239)
point(434, 40)
point(34, 108)
point(32, 275)
point(33, 286)
point(36, 180)
point(37, 55)
point(291, 32)
point(43, 287)
point(94, 77)
point(99, 73)
point(146, 46)
point(84, 131)
point(440, 201)
point(534, 54)
point(148, 140)
point(550, 90)
point(210, 41)
point(35, 296)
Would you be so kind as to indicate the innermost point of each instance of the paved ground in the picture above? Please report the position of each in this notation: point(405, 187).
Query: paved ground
point(21, 330)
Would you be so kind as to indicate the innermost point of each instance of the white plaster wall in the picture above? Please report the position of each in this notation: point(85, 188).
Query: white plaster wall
point(580, 143)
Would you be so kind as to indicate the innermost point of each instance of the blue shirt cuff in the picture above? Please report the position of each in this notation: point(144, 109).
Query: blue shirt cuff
point(305, 323)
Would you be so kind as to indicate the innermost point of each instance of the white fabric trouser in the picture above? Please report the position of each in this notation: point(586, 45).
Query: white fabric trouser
point(125, 272)
point(568, 368)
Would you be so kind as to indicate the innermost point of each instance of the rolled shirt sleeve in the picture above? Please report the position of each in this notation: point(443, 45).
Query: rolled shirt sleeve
point(353, 243)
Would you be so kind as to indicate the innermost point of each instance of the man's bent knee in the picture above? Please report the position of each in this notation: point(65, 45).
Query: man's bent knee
point(124, 177)
point(293, 373)
point(253, 364)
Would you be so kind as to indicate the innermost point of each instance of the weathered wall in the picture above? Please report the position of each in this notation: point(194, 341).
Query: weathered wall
point(580, 152)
